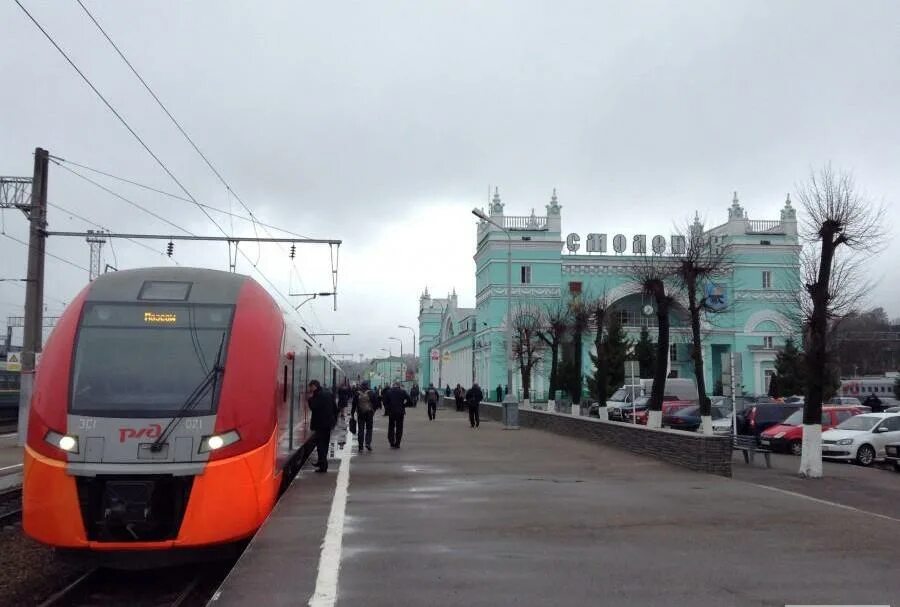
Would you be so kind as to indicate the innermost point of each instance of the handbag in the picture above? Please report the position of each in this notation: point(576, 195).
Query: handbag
point(352, 425)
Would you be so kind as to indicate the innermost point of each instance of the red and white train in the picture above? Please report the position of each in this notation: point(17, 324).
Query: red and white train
point(169, 408)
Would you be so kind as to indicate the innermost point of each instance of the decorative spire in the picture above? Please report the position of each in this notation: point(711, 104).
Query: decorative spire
point(496, 205)
point(736, 211)
point(554, 206)
point(788, 213)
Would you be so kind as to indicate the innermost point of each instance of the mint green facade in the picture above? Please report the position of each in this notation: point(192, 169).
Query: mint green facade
point(459, 345)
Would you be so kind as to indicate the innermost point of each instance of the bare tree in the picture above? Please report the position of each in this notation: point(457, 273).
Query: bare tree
point(580, 316)
point(598, 308)
point(843, 227)
point(555, 324)
point(702, 262)
point(652, 275)
point(528, 347)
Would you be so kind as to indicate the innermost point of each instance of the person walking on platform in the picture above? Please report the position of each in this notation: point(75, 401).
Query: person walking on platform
point(474, 396)
point(431, 399)
point(414, 395)
point(395, 402)
point(344, 394)
point(321, 407)
point(365, 403)
point(460, 394)
point(382, 395)
point(447, 391)
point(499, 393)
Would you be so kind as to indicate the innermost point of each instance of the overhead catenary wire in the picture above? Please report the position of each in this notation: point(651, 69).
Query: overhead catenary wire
point(117, 114)
point(174, 196)
point(102, 227)
point(58, 258)
point(149, 151)
point(187, 137)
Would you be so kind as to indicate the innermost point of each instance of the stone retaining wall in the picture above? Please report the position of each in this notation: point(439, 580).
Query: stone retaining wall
point(710, 454)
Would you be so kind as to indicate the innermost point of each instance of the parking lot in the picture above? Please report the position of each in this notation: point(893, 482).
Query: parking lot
point(875, 489)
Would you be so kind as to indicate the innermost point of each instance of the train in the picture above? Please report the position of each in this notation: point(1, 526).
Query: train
point(880, 385)
point(169, 410)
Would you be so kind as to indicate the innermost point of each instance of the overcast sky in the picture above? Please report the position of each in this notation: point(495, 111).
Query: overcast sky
point(384, 123)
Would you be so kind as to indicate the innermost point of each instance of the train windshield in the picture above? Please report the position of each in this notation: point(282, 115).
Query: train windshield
point(147, 360)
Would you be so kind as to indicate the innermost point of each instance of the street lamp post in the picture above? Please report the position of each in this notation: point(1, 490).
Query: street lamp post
point(413, 343)
point(390, 356)
point(400, 341)
point(510, 404)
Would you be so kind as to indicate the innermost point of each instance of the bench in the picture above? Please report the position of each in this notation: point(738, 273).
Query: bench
point(749, 447)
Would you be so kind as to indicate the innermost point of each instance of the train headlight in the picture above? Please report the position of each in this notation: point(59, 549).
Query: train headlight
point(217, 441)
point(62, 441)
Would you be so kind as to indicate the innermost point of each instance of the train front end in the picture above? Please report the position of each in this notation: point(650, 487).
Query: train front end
point(152, 424)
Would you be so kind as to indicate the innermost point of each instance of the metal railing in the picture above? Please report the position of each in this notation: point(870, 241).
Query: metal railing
point(764, 226)
point(525, 222)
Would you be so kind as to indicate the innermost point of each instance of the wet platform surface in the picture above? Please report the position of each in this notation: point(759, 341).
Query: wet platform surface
point(493, 517)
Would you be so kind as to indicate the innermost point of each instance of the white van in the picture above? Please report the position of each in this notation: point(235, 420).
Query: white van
point(679, 387)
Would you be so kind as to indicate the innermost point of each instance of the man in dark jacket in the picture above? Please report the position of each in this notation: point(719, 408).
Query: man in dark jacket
point(431, 399)
point(344, 394)
point(474, 396)
point(460, 394)
point(365, 402)
point(414, 395)
point(322, 419)
point(395, 402)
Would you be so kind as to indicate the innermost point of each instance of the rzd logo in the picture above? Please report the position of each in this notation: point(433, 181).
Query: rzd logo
point(151, 431)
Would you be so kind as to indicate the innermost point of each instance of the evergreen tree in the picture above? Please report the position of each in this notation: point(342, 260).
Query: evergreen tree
point(790, 370)
point(645, 352)
point(616, 346)
point(609, 365)
point(774, 387)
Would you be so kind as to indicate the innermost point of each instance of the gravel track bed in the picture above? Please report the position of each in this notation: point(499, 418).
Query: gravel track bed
point(29, 571)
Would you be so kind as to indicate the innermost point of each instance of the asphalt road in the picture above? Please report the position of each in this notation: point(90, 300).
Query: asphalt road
point(491, 517)
point(875, 489)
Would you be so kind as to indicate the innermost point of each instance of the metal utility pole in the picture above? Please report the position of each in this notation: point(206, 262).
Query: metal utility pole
point(96, 241)
point(34, 288)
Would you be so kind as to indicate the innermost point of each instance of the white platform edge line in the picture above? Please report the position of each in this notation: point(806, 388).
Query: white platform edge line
point(325, 594)
point(828, 503)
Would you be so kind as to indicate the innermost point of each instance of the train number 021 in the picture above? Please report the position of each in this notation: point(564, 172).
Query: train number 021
point(193, 424)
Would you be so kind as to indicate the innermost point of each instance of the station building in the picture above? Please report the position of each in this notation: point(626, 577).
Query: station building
point(462, 345)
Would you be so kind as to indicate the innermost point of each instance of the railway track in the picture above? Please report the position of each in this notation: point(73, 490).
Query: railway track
point(10, 506)
point(184, 586)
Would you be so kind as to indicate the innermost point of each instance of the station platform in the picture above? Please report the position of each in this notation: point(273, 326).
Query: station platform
point(10, 461)
point(487, 517)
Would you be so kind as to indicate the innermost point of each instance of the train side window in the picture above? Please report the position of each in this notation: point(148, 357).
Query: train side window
point(284, 385)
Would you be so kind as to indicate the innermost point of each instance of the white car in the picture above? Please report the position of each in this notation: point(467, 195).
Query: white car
point(723, 425)
point(861, 438)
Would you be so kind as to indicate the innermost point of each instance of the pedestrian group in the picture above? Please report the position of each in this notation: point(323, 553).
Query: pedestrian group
point(326, 408)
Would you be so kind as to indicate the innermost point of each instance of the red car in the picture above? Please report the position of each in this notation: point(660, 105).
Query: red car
point(788, 435)
point(670, 405)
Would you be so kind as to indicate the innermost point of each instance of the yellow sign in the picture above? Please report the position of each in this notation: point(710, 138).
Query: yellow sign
point(13, 361)
point(446, 357)
point(160, 317)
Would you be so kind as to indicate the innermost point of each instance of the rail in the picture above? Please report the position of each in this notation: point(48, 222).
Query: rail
point(764, 226)
point(525, 222)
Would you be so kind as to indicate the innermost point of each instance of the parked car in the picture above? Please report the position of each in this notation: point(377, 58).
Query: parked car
point(862, 438)
point(668, 408)
point(892, 454)
point(688, 418)
point(788, 435)
point(759, 417)
point(893, 409)
point(844, 400)
point(723, 425)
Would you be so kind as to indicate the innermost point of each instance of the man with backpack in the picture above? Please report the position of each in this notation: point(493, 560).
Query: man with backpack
point(365, 402)
point(431, 399)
